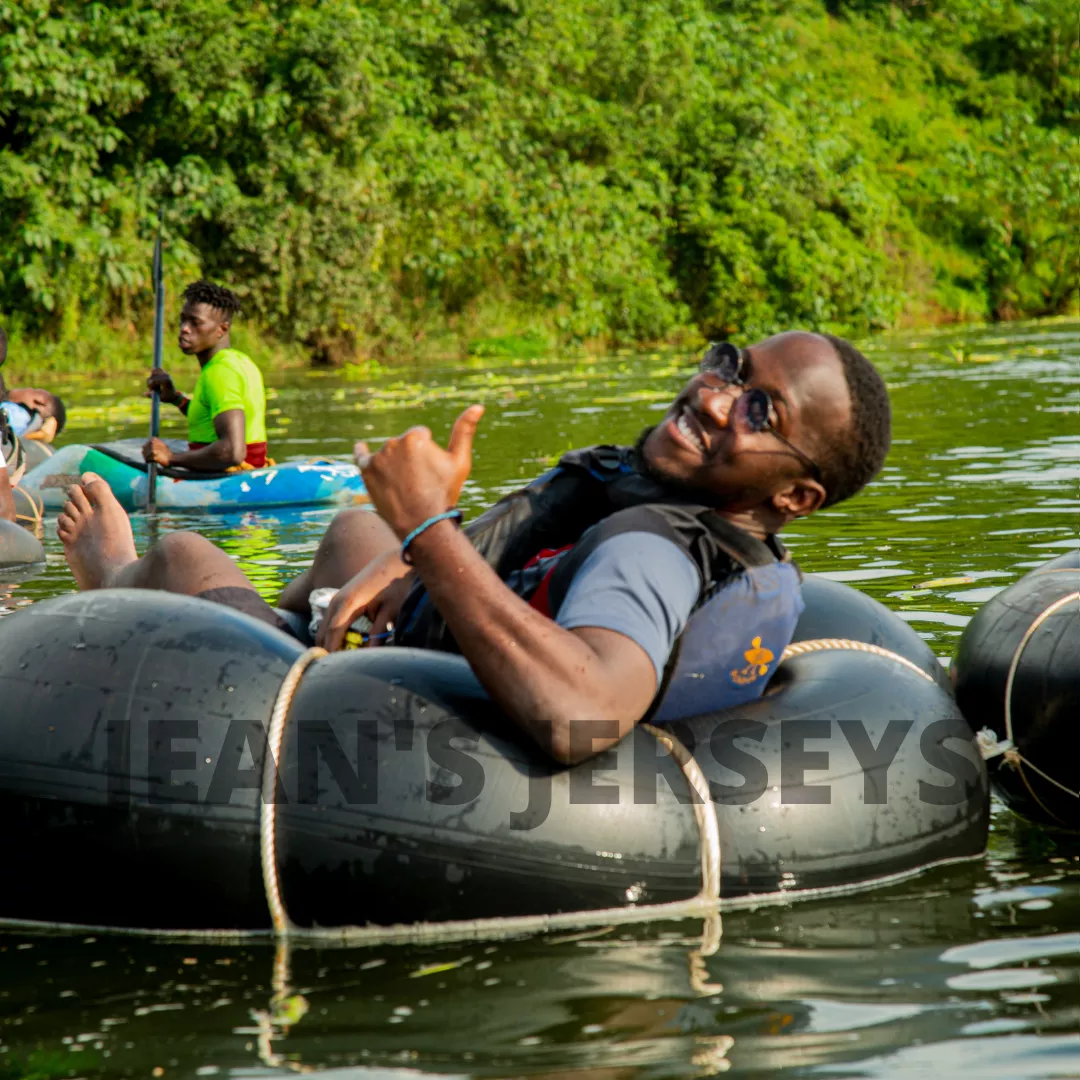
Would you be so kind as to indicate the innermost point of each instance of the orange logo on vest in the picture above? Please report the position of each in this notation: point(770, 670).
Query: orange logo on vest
point(757, 659)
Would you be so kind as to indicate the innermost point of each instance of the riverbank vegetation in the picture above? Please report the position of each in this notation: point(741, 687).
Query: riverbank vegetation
point(381, 177)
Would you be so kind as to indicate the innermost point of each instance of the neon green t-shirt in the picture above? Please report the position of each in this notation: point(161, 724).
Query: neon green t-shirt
point(230, 380)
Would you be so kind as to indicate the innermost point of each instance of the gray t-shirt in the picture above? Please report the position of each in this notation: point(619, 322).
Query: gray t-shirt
point(638, 584)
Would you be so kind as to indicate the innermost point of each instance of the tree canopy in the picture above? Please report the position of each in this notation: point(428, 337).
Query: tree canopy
point(615, 169)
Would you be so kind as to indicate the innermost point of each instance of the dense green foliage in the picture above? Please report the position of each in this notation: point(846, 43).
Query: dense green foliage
point(368, 171)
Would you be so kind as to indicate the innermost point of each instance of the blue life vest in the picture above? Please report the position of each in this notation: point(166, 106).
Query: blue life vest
point(732, 643)
point(20, 419)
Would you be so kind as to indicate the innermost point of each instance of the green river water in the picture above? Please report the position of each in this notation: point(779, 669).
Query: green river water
point(970, 971)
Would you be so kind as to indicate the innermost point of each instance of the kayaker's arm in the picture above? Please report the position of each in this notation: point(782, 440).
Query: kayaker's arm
point(161, 381)
point(576, 692)
point(227, 450)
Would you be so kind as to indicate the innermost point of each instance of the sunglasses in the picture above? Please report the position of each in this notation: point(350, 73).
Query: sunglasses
point(754, 409)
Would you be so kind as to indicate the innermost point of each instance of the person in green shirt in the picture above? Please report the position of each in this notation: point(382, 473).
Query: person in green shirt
point(226, 412)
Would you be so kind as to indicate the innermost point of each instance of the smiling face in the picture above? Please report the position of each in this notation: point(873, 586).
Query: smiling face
point(202, 328)
point(701, 445)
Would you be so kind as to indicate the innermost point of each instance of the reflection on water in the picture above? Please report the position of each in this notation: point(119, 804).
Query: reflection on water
point(974, 969)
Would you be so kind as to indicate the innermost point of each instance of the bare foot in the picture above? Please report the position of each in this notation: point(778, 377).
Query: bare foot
point(96, 533)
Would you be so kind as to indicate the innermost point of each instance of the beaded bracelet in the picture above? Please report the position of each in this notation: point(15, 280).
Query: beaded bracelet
point(446, 515)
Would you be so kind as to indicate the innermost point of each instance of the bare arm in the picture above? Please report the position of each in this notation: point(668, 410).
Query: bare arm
point(30, 397)
point(7, 499)
point(377, 592)
point(550, 681)
point(227, 450)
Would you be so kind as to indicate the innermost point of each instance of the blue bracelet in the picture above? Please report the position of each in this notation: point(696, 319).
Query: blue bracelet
point(446, 515)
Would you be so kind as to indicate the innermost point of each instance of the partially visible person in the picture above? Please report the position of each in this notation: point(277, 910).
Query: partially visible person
point(7, 444)
point(226, 412)
point(7, 499)
point(30, 413)
point(34, 414)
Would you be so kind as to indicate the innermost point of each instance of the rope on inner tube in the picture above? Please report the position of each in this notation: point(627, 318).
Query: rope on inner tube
point(801, 648)
point(986, 739)
point(704, 904)
point(38, 507)
point(17, 467)
point(704, 810)
point(1008, 746)
point(268, 821)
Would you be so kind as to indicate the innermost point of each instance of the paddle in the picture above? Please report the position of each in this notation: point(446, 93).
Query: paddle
point(159, 335)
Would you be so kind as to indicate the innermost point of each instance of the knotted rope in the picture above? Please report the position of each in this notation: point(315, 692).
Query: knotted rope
point(988, 740)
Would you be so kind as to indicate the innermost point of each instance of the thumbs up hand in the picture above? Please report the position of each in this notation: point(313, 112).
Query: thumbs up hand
point(412, 478)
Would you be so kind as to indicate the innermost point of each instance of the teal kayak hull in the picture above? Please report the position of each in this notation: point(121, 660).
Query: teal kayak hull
point(292, 483)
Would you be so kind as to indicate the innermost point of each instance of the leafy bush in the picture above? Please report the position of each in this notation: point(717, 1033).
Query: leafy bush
point(371, 171)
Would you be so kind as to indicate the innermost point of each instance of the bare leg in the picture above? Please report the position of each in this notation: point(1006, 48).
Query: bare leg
point(354, 538)
point(184, 563)
point(100, 549)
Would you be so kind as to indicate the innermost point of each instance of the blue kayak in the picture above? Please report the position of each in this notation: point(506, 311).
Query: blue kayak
point(313, 482)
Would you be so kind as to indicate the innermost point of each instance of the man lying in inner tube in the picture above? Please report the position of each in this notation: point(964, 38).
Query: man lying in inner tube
point(569, 597)
point(30, 413)
point(34, 414)
point(226, 412)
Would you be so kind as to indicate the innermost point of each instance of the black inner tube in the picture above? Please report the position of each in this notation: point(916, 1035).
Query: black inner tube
point(19, 547)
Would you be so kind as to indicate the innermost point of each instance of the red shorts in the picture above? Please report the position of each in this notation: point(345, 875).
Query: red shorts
point(256, 453)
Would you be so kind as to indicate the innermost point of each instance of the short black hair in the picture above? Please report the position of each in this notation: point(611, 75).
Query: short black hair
point(849, 462)
point(215, 296)
point(59, 412)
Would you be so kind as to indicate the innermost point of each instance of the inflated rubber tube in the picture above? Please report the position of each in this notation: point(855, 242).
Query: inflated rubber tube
point(96, 688)
point(35, 451)
point(1017, 673)
point(503, 846)
point(18, 547)
point(834, 610)
point(133, 737)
